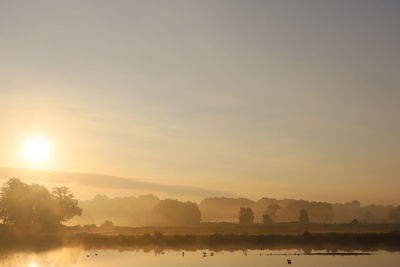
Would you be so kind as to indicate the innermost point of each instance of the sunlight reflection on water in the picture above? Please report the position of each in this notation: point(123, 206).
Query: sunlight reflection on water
point(98, 258)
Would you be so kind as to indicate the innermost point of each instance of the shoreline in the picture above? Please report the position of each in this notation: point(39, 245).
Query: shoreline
point(306, 241)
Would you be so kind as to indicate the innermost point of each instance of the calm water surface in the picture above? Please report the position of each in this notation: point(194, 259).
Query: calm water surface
point(80, 257)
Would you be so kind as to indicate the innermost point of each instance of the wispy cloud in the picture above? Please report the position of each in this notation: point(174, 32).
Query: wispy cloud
point(104, 182)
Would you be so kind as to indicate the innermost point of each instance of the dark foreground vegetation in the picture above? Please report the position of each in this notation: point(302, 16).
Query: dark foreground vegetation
point(305, 241)
point(237, 229)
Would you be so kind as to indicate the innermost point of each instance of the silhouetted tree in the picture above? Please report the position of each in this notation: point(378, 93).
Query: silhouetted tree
point(269, 214)
point(246, 216)
point(107, 226)
point(28, 206)
point(303, 216)
point(174, 212)
point(355, 221)
point(14, 201)
point(67, 205)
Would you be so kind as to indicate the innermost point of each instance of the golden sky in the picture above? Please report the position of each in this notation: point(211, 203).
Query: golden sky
point(260, 98)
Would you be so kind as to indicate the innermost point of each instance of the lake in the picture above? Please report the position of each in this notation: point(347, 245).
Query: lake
point(107, 257)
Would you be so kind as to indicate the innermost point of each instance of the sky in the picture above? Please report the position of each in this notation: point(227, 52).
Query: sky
point(286, 99)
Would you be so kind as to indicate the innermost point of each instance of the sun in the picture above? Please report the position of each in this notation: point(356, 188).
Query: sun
point(36, 149)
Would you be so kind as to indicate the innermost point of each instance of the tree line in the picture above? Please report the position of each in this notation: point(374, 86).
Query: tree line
point(246, 216)
point(33, 206)
point(287, 210)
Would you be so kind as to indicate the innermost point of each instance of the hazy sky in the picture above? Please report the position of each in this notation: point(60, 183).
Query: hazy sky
point(260, 98)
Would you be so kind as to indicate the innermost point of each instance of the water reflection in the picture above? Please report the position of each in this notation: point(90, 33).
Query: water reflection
point(107, 257)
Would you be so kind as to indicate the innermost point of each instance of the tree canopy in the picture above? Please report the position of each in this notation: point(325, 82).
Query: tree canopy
point(28, 206)
point(174, 212)
point(246, 216)
point(303, 216)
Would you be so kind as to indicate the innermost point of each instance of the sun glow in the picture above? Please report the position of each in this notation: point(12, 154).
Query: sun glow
point(36, 150)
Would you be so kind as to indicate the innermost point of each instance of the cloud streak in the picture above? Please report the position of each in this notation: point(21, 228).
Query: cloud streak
point(101, 181)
